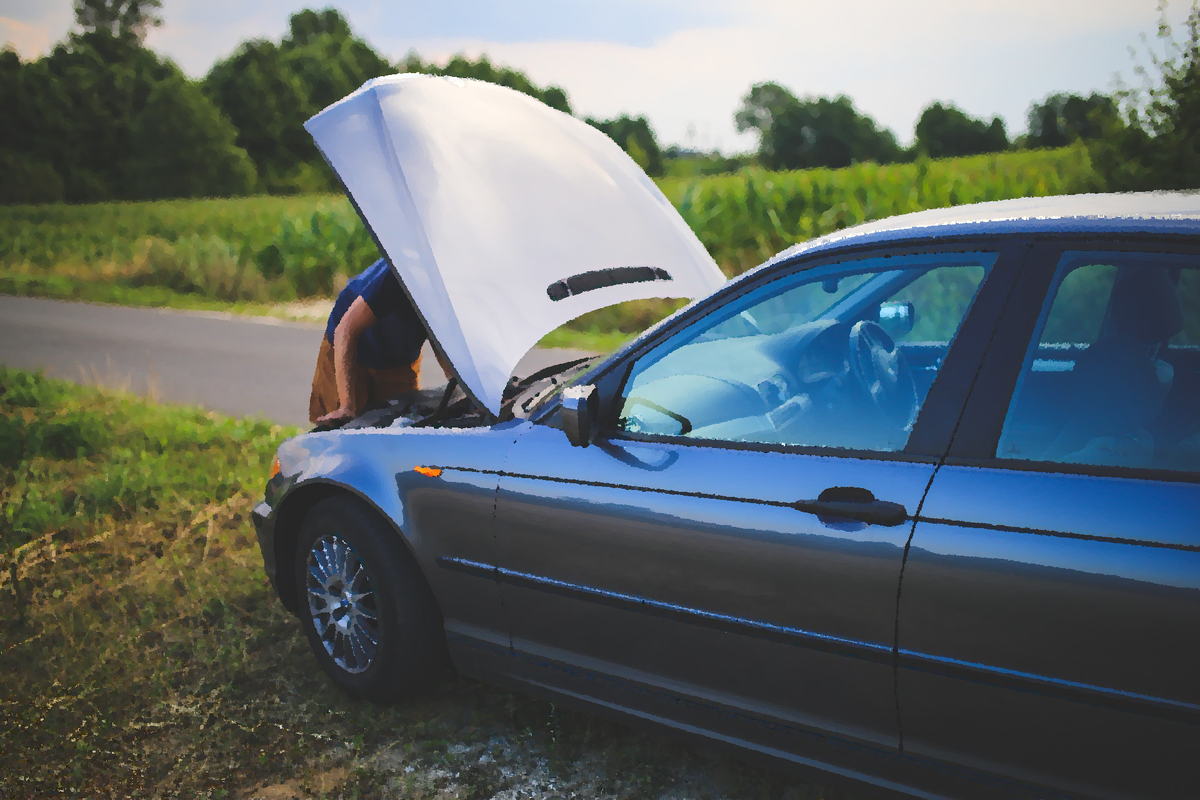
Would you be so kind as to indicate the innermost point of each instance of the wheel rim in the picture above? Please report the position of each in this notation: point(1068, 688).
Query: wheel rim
point(342, 604)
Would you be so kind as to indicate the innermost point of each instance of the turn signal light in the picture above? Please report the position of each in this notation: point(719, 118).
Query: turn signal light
point(432, 472)
point(274, 468)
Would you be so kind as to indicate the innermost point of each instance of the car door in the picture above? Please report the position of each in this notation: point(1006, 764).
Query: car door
point(1049, 618)
point(725, 557)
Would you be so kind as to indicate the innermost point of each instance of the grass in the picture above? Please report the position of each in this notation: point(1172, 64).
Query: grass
point(251, 255)
point(143, 653)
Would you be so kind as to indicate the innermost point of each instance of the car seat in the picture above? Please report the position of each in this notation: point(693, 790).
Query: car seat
point(1118, 385)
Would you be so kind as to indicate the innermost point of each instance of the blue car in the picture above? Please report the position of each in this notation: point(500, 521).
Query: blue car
point(914, 504)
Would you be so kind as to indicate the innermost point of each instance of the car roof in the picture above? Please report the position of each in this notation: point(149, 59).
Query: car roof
point(1145, 212)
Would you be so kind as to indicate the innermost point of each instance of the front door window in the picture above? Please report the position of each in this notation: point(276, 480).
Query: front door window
point(839, 356)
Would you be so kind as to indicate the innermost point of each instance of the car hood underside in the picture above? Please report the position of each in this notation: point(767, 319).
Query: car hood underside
point(502, 217)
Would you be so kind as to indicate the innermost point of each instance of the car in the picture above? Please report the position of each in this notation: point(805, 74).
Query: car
point(915, 504)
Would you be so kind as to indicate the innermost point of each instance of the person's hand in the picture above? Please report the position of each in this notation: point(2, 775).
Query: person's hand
point(341, 413)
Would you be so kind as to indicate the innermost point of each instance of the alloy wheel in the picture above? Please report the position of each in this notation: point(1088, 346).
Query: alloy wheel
point(341, 602)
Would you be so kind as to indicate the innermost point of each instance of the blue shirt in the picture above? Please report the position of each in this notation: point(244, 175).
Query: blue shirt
point(396, 338)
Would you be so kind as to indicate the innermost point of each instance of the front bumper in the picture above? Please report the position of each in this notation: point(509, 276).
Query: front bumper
point(264, 526)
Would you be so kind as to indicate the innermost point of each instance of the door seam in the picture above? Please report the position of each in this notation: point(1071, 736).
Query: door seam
point(937, 467)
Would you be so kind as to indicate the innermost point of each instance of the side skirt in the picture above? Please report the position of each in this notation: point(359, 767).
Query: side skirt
point(785, 743)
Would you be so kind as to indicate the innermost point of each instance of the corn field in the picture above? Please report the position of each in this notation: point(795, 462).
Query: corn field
point(271, 249)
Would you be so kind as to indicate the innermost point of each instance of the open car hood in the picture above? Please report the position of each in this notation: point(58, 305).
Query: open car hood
point(502, 217)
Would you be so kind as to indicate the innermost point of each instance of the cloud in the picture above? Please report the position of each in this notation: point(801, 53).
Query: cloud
point(686, 63)
point(29, 40)
point(892, 59)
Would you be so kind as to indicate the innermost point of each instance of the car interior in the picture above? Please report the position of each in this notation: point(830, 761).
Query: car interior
point(1115, 377)
point(844, 362)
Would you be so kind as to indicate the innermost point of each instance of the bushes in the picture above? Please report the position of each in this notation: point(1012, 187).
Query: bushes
point(308, 256)
point(203, 265)
point(255, 249)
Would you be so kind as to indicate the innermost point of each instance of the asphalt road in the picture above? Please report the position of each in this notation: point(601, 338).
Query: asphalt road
point(243, 366)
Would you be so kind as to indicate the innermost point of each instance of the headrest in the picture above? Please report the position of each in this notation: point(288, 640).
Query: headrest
point(1144, 304)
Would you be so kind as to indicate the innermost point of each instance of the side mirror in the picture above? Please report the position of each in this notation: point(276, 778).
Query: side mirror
point(897, 318)
point(580, 414)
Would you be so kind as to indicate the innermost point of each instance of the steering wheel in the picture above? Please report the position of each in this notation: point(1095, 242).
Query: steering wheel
point(883, 372)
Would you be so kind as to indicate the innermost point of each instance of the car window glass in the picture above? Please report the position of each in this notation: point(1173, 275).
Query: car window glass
point(1113, 377)
point(839, 356)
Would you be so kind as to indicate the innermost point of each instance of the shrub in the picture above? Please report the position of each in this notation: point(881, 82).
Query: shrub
point(204, 265)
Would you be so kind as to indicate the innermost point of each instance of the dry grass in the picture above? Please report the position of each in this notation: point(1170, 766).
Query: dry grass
point(143, 653)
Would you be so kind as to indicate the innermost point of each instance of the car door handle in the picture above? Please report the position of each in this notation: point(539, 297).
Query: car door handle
point(851, 502)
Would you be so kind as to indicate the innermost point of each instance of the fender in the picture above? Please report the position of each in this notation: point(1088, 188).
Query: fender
point(431, 515)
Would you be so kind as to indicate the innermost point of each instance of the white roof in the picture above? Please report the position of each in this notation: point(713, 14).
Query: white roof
point(485, 201)
point(1140, 212)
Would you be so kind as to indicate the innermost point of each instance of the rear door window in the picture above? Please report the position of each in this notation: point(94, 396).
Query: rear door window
point(1113, 375)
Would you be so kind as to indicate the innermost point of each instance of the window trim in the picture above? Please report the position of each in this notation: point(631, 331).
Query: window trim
point(982, 421)
point(946, 395)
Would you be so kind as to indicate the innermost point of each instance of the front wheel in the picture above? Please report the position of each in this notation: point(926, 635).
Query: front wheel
point(369, 615)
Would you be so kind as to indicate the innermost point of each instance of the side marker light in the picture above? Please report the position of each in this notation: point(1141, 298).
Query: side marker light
point(432, 472)
point(274, 468)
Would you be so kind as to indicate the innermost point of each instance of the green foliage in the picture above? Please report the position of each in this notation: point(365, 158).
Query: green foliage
point(1062, 119)
point(27, 180)
point(747, 217)
point(761, 105)
point(681, 163)
point(636, 137)
point(74, 456)
point(143, 652)
point(102, 117)
point(483, 70)
point(309, 254)
point(945, 131)
point(254, 249)
point(120, 19)
point(268, 90)
point(201, 265)
point(1154, 143)
point(813, 132)
point(274, 249)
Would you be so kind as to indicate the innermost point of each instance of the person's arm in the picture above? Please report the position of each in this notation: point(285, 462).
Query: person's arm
point(357, 319)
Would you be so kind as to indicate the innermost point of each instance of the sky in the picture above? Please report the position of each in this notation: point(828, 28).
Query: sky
point(685, 64)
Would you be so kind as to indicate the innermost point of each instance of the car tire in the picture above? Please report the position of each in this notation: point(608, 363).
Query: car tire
point(367, 610)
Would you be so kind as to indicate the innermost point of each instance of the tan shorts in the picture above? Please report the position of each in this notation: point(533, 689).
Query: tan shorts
point(370, 386)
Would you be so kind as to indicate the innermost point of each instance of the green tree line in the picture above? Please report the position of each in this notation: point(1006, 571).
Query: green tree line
point(102, 117)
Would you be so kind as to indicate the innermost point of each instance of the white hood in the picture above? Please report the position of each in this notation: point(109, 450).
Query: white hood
point(493, 208)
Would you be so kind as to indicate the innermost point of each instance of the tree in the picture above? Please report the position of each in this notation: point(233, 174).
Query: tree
point(127, 20)
point(813, 132)
point(1153, 142)
point(945, 131)
point(761, 105)
point(636, 137)
point(268, 90)
point(1061, 119)
point(328, 59)
point(101, 117)
point(305, 26)
point(181, 145)
point(267, 104)
point(483, 70)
